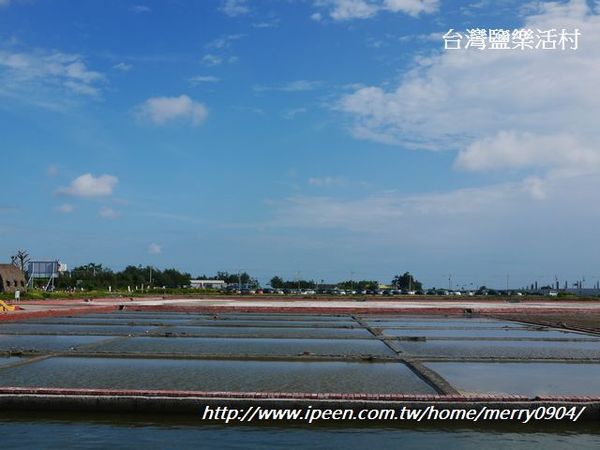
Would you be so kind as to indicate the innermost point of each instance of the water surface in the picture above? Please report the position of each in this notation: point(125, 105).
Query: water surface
point(217, 375)
point(522, 378)
point(249, 346)
point(116, 432)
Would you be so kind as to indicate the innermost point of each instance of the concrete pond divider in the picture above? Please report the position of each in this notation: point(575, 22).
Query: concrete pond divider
point(191, 402)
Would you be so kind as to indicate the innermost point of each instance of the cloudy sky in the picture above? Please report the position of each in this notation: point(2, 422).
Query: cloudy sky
point(324, 139)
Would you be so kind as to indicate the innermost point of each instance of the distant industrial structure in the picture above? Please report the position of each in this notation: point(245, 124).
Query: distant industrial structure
point(44, 270)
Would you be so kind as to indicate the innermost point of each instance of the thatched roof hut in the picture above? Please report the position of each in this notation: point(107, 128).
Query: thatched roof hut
point(11, 278)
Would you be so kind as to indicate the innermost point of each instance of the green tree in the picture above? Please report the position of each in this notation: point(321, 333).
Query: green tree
point(20, 259)
point(277, 282)
point(172, 278)
point(407, 281)
point(291, 284)
point(358, 285)
point(234, 278)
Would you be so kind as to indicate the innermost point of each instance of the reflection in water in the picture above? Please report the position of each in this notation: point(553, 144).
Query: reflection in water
point(158, 433)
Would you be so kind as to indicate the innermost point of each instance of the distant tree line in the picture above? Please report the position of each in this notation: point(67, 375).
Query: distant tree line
point(405, 281)
point(232, 278)
point(278, 283)
point(360, 285)
point(95, 276)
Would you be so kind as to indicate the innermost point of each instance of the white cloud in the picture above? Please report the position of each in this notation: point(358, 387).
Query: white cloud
point(224, 42)
point(234, 8)
point(292, 86)
point(139, 9)
point(108, 213)
point(124, 67)
point(500, 110)
point(65, 208)
point(4, 3)
point(300, 85)
point(340, 10)
point(154, 249)
point(252, 109)
point(29, 72)
point(384, 212)
point(211, 60)
point(327, 181)
point(525, 226)
point(162, 110)
point(515, 150)
point(412, 7)
point(535, 187)
point(199, 79)
point(271, 23)
point(352, 9)
point(498, 207)
point(531, 116)
point(219, 50)
point(87, 185)
point(292, 113)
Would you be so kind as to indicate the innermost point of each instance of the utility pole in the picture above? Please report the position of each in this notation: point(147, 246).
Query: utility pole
point(150, 283)
point(450, 282)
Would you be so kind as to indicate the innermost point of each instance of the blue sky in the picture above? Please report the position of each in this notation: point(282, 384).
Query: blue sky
point(322, 138)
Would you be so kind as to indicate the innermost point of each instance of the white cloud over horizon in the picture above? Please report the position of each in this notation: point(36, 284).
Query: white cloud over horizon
point(531, 213)
point(88, 185)
point(154, 249)
point(163, 110)
point(529, 118)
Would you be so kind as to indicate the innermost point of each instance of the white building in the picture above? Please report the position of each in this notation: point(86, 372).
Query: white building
point(207, 284)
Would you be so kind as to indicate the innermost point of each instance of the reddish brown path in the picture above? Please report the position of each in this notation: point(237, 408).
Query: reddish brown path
point(48, 308)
